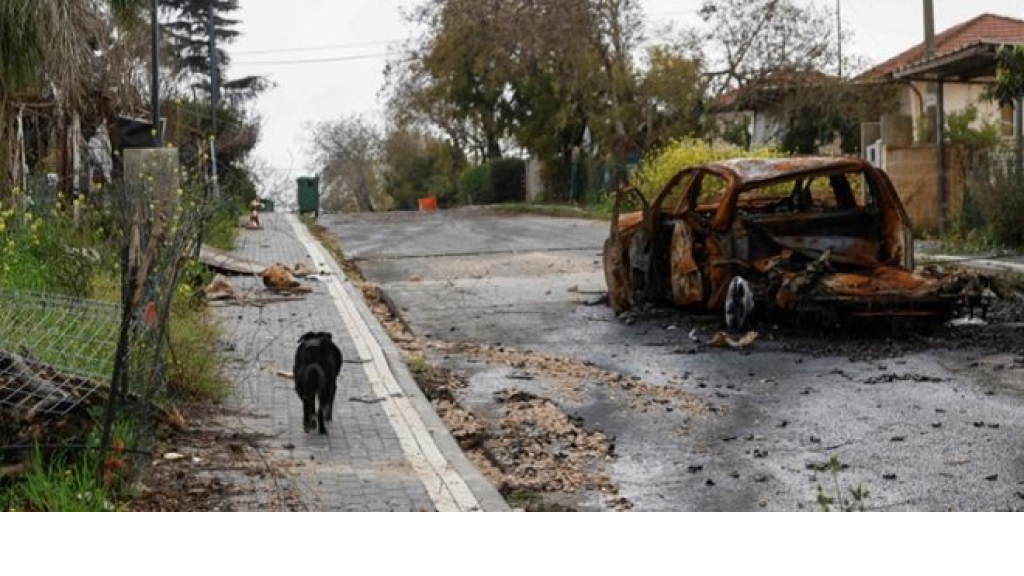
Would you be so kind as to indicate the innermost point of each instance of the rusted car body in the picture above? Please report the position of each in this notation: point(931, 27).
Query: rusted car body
point(810, 234)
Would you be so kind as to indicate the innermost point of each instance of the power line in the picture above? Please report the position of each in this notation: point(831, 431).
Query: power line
point(316, 48)
point(321, 60)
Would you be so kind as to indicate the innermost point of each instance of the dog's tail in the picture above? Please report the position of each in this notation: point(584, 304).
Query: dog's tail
point(313, 378)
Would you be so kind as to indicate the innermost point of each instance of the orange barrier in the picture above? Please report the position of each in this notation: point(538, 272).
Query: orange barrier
point(428, 204)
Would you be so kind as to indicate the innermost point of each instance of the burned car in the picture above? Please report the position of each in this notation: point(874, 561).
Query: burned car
point(821, 235)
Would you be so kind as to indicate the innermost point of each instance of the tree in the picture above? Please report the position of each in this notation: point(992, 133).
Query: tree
point(54, 40)
point(347, 154)
point(189, 39)
point(418, 164)
point(672, 90)
point(60, 50)
point(749, 41)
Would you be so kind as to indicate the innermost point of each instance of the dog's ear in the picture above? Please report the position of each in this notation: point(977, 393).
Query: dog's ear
point(306, 336)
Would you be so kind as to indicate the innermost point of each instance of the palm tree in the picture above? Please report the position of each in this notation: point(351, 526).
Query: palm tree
point(53, 39)
point(49, 44)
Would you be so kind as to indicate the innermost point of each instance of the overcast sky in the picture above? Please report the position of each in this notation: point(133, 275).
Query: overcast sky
point(351, 40)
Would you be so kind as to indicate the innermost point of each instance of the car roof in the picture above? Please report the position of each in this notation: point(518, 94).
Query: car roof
point(747, 171)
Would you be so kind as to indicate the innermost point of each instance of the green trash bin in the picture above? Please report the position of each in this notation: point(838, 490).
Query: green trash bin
point(266, 205)
point(309, 195)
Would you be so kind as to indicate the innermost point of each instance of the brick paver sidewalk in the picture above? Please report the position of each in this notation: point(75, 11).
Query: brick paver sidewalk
point(385, 449)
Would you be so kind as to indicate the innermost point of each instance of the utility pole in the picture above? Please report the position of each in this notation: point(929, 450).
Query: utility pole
point(211, 29)
point(154, 78)
point(839, 36)
point(936, 124)
point(929, 52)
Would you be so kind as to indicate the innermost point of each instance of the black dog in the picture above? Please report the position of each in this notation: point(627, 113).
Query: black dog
point(317, 363)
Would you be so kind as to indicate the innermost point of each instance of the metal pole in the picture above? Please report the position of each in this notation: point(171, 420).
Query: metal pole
point(929, 52)
point(940, 157)
point(839, 35)
point(154, 80)
point(1018, 134)
point(214, 98)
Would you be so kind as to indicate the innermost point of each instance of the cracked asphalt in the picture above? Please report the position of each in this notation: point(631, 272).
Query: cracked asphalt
point(922, 418)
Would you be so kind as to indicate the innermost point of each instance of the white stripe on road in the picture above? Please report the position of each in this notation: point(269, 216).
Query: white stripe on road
point(446, 488)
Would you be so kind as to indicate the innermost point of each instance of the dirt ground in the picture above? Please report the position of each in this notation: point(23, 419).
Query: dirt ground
point(211, 466)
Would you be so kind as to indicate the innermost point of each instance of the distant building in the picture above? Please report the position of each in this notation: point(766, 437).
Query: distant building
point(964, 45)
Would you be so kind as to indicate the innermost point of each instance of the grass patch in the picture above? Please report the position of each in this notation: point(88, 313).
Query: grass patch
point(530, 501)
point(221, 229)
point(194, 364)
point(74, 480)
point(417, 364)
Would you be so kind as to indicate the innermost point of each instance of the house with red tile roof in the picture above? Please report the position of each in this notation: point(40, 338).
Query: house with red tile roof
point(963, 60)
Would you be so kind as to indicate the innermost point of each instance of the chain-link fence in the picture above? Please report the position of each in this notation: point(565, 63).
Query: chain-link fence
point(70, 367)
point(55, 352)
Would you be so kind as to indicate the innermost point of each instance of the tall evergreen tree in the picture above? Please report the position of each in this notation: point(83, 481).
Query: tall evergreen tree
point(189, 39)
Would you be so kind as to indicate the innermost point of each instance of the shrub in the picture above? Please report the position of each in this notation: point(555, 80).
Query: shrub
point(45, 249)
point(507, 180)
point(476, 185)
point(992, 213)
point(658, 167)
point(495, 182)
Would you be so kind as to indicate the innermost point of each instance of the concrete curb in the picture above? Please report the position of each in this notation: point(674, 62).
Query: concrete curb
point(982, 264)
point(487, 496)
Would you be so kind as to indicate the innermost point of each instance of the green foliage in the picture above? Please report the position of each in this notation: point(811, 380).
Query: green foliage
point(417, 364)
point(507, 180)
point(494, 182)
point(1009, 84)
point(74, 480)
point(672, 86)
point(46, 249)
point(657, 168)
point(476, 185)
point(992, 213)
point(419, 165)
point(194, 366)
point(857, 496)
point(959, 130)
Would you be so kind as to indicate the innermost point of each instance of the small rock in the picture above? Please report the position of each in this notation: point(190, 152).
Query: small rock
point(734, 474)
point(709, 482)
point(783, 424)
point(760, 478)
point(815, 440)
point(992, 478)
point(758, 453)
point(993, 426)
point(979, 424)
point(889, 476)
point(694, 469)
point(897, 439)
point(936, 424)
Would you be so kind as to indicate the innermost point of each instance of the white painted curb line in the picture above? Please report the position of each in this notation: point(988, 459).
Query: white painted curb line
point(980, 263)
point(446, 488)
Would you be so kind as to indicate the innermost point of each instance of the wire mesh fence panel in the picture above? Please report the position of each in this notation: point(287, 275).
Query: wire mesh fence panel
point(55, 351)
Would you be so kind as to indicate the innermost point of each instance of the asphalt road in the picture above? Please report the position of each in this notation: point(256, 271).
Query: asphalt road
point(923, 419)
